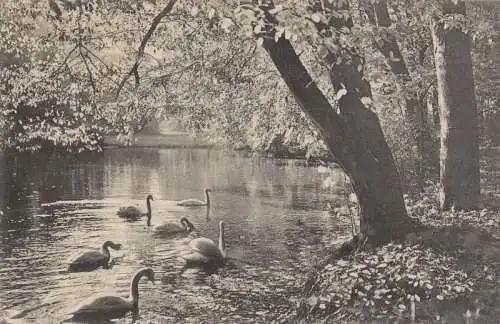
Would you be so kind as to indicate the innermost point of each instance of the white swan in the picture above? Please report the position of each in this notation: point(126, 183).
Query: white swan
point(174, 229)
point(204, 251)
point(132, 212)
point(191, 202)
point(111, 307)
point(92, 260)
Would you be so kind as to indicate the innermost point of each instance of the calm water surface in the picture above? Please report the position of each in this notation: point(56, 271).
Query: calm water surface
point(276, 221)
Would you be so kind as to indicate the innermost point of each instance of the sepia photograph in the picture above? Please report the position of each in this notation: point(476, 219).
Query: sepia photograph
point(250, 161)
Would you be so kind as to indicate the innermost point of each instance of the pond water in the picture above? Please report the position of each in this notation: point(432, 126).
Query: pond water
point(275, 212)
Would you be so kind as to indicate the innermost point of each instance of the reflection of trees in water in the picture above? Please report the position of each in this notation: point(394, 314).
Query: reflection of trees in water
point(28, 179)
point(16, 221)
point(194, 169)
point(19, 192)
point(129, 171)
point(75, 177)
point(189, 169)
point(144, 157)
point(178, 173)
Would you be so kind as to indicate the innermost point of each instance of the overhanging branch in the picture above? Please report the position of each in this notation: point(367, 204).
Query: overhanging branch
point(156, 21)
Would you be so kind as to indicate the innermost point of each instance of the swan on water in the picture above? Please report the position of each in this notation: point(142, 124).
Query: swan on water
point(111, 307)
point(192, 202)
point(92, 260)
point(132, 212)
point(204, 251)
point(166, 228)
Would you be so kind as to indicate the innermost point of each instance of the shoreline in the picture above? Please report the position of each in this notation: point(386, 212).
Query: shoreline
point(170, 140)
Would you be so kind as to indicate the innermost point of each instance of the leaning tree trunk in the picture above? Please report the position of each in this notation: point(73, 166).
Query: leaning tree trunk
point(355, 138)
point(357, 141)
point(459, 160)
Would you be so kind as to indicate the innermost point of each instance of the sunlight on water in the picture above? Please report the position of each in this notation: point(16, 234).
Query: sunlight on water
point(275, 218)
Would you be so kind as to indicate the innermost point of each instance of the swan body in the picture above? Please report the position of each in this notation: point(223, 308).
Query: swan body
point(204, 251)
point(196, 202)
point(132, 212)
point(92, 260)
point(111, 307)
point(174, 229)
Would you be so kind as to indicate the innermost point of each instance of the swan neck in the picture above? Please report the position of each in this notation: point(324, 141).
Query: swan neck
point(187, 225)
point(148, 205)
point(134, 289)
point(207, 197)
point(105, 250)
point(222, 242)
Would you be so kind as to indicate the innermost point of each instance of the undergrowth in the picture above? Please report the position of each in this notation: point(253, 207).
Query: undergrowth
point(447, 275)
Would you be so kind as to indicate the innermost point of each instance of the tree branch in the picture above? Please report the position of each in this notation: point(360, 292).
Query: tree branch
point(65, 61)
point(55, 8)
point(142, 46)
point(91, 78)
point(97, 57)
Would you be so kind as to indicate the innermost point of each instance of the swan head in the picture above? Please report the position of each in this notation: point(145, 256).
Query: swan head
point(207, 190)
point(113, 245)
point(221, 225)
point(149, 273)
point(187, 224)
point(149, 197)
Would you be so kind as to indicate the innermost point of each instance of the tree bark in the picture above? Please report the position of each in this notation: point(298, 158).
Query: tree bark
point(354, 137)
point(459, 158)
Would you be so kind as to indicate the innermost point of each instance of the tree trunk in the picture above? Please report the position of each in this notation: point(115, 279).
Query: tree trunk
point(416, 118)
point(356, 140)
point(353, 135)
point(459, 158)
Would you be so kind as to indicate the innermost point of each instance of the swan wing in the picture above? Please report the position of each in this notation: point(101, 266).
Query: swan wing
point(191, 202)
point(205, 247)
point(168, 228)
point(104, 306)
point(195, 257)
point(89, 257)
point(190, 236)
point(129, 212)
